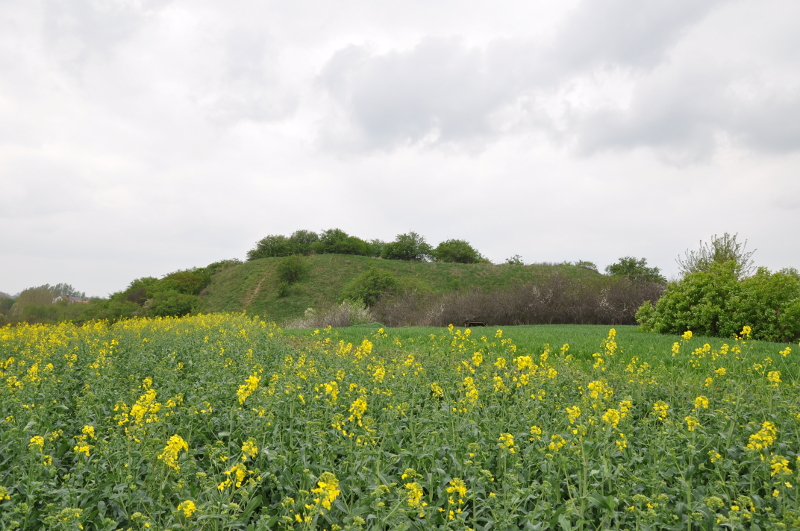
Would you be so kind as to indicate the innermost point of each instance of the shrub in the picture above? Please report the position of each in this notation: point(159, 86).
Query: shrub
point(186, 282)
point(457, 251)
point(718, 251)
point(302, 240)
point(336, 241)
point(409, 246)
point(635, 270)
point(169, 303)
point(717, 303)
point(346, 313)
point(371, 286)
point(556, 299)
point(292, 269)
point(272, 246)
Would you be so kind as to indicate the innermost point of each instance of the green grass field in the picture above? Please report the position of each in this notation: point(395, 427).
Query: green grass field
point(226, 422)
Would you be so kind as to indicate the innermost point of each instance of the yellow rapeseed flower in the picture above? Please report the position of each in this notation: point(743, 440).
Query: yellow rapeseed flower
point(691, 423)
point(188, 507)
point(764, 437)
point(36, 442)
point(507, 442)
point(327, 489)
point(612, 416)
point(701, 402)
point(175, 444)
point(660, 409)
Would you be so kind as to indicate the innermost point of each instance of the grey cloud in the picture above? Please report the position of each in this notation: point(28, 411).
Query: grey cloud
point(79, 30)
point(440, 87)
point(246, 85)
point(442, 91)
point(636, 33)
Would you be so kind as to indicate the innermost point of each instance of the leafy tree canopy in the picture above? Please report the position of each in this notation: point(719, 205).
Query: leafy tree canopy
point(371, 286)
point(636, 270)
point(457, 251)
point(719, 250)
point(410, 246)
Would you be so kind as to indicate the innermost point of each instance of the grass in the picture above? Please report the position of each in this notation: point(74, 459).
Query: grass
point(226, 422)
point(254, 286)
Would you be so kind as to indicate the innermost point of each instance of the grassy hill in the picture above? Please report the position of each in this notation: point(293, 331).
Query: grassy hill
point(253, 286)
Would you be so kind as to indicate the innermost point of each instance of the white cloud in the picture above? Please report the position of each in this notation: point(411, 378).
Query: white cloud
point(139, 137)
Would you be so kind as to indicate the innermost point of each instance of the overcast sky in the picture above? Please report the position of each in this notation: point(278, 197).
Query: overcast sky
point(139, 137)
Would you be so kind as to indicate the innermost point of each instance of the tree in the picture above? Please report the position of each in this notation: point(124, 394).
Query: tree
point(410, 246)
point(303, 240)
point(271, 246)
point(719, 250)
point(371, 286)
point(457, 251)
point(337, 241)
point(635, 270)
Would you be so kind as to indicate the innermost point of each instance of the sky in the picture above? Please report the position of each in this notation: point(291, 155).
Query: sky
point(140, 137)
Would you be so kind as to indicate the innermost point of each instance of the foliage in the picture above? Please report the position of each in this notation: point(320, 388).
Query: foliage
point(292, 269)
point(224, 422)
point(719, 250)
point(168, 304)
point(302, 240)
point(185, 282)
point(371, 286)
point(337, 241)
point(717, 303)
point(587, 265)
point(410, 246)
point(272, 246)
point(457, 251)
point(635, 270)
point(515, 260)
point(222, 265)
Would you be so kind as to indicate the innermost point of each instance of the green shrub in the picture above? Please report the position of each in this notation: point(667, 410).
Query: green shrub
point(169, 304)
point(371, 286)
point(292, 269)
point(337, 241)
point(409, 246)
point(717, 303)
point(635, 270)
point(186, 282)
point(457, 251)
point(273, 246)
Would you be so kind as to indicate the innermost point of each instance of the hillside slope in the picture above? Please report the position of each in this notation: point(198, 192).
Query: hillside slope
point(253, 286)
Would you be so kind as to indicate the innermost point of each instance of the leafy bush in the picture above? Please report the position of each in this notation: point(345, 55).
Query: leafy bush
point(371, 286)
point(718, 251)
point(557, 299)
point(409, 246)
point(346, 313)
point(635, 270)
point(457, 251)
point(169, 303)
point(186, 282)
point(292, 269)
point(337, 241)
point(717, 303)
point(302, 240)
point(274, 245)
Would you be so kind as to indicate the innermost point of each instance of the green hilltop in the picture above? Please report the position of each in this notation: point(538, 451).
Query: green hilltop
point(255, 286)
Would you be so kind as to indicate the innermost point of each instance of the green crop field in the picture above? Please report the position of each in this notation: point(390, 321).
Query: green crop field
point(223, 421)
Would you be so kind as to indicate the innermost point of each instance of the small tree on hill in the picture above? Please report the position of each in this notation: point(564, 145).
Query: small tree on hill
point(636, 270)
point(719, 250)
point(410, 246)
point(272, 246)
point(371, 286)
point(457, 251)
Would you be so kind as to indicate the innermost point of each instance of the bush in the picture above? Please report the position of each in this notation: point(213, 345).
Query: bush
point(346, 313)
point(457, 251)
point(554, 300)
point(409, 246)
point(717, 303)
point(302, 240)
point(169, 304)
point(635, 270)
point(186, 282)
point(292, 269)
point(719, 251)
point(371, 286)
point(337, 241)
point(272, 246)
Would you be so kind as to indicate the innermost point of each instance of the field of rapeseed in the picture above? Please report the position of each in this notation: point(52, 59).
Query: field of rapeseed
point(226, 422)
